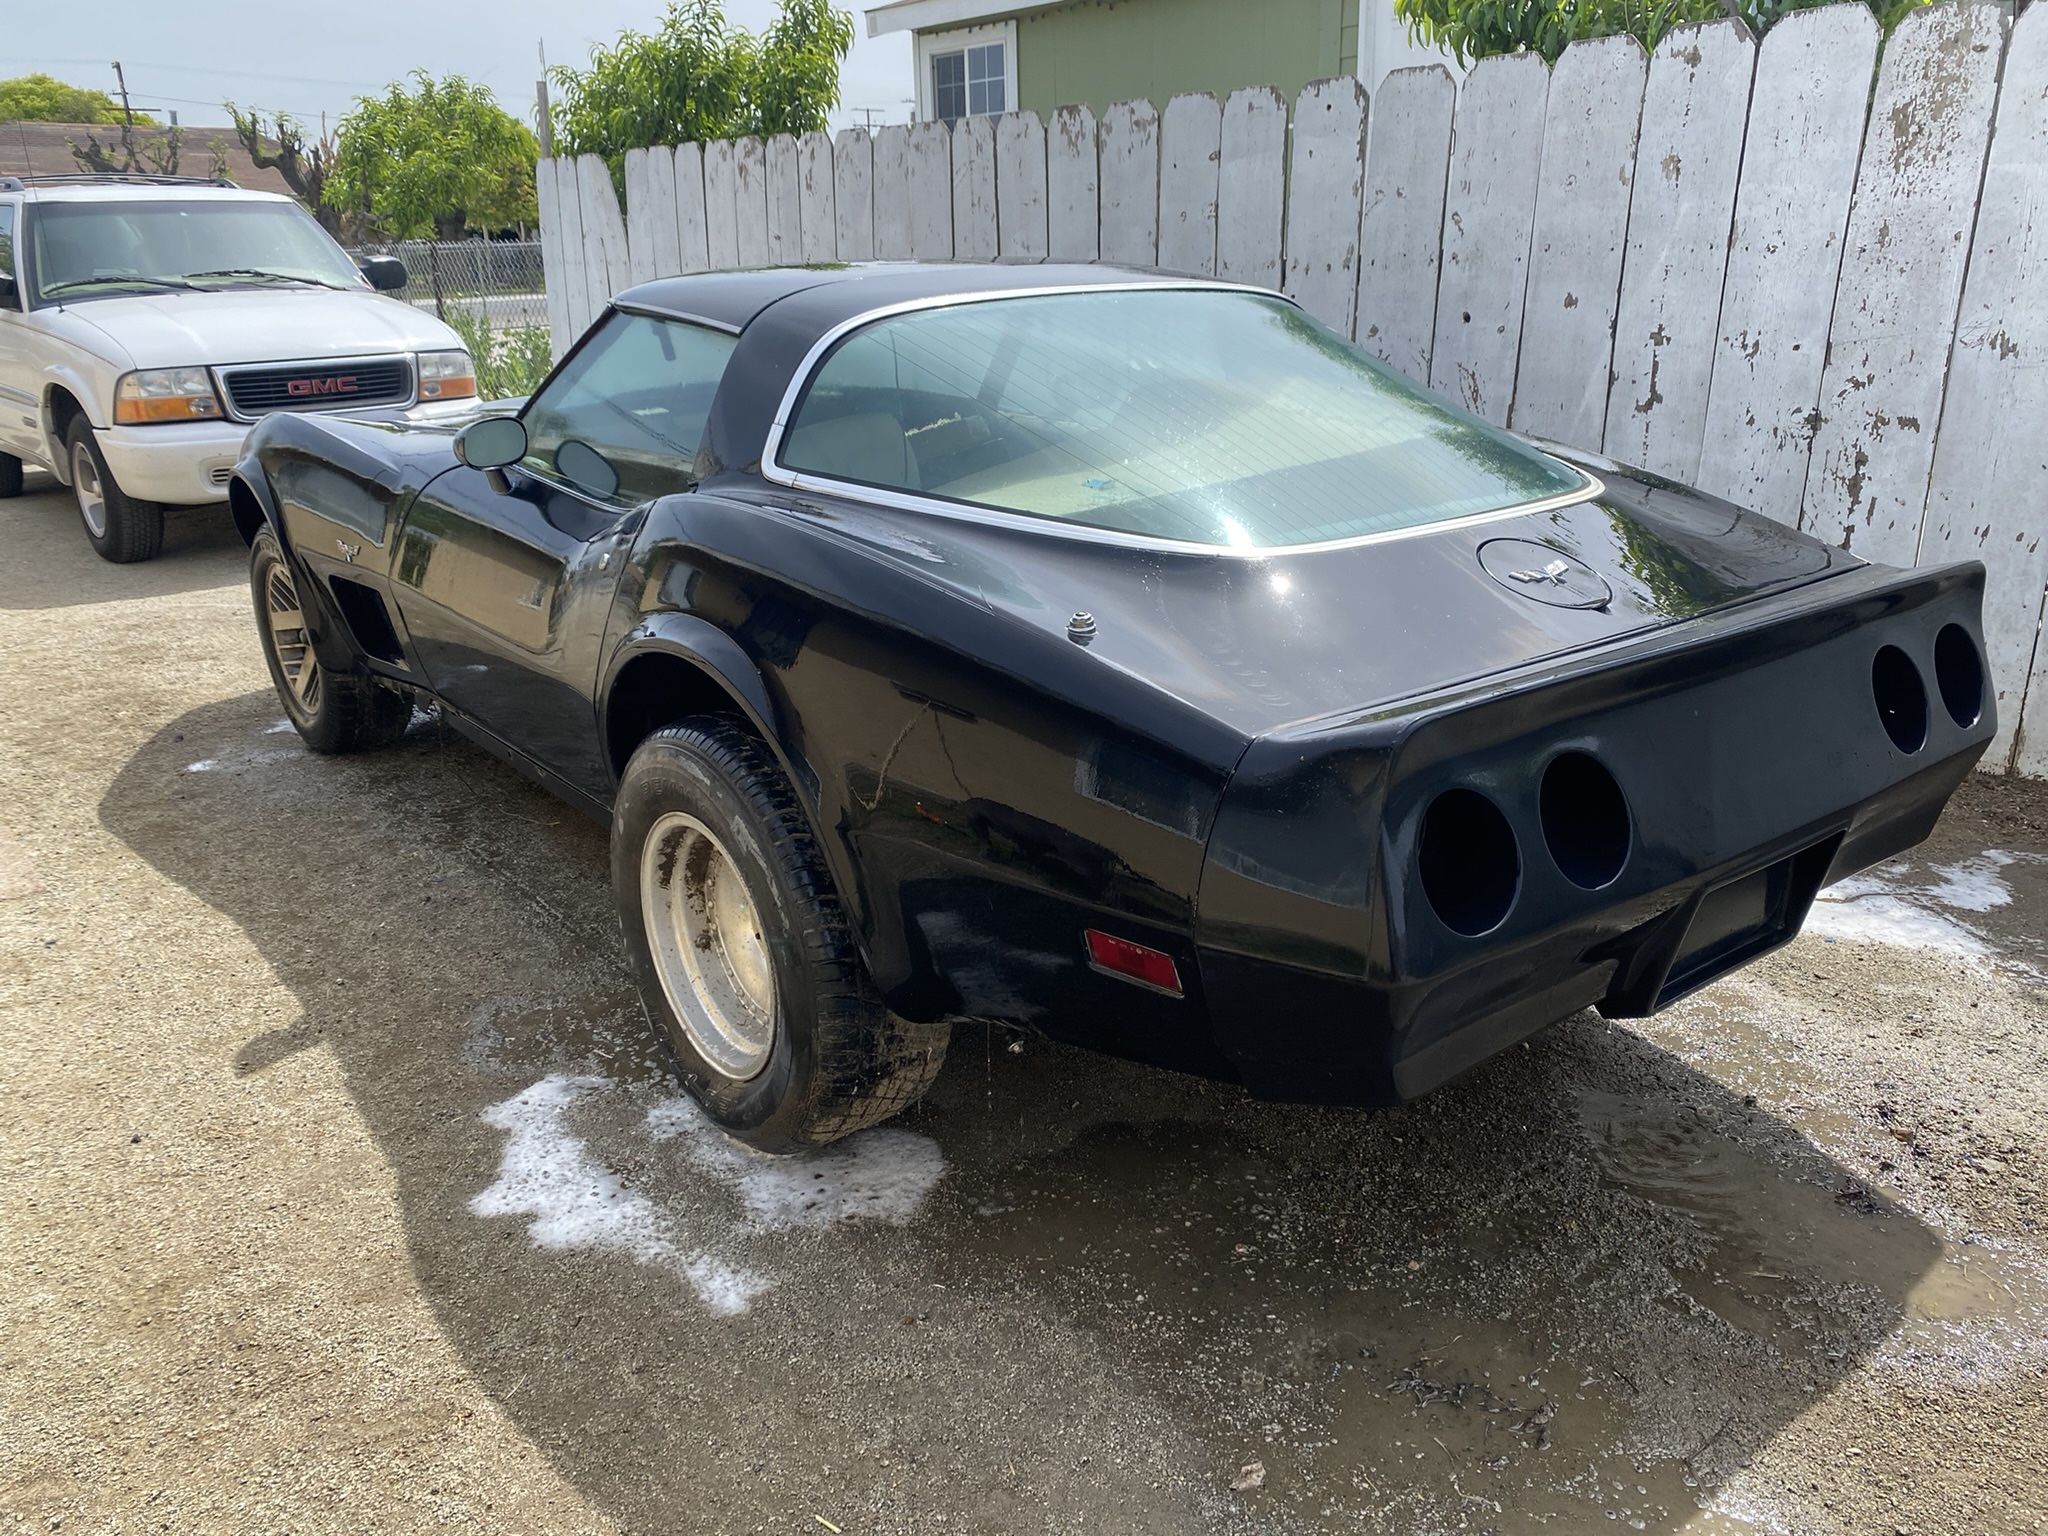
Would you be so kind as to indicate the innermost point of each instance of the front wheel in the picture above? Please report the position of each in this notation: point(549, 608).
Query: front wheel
point(744, 957)
point(332, 711)
point(122, 528)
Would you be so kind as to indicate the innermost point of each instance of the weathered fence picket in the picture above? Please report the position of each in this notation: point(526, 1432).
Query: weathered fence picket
point(1190, 153)
point(1731, 263)
point(1327, 180)
point(1020, 187)
point(974, 190)
point(1489, 213)
point(1130, 184)
point(853, 195)
point(1785, 251)
point(892, 193)
point(1581, 229)
point(1668, 321)
point(1401, 231)
point(1072, 184)
point(1902, 279)
point(819, 221)
point(721, 203)
point(1251, 186)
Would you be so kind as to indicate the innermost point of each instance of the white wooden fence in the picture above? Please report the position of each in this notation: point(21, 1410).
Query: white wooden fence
point(1734, 264)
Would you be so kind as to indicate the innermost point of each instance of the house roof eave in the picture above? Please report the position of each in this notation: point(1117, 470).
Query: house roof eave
point(927, 15)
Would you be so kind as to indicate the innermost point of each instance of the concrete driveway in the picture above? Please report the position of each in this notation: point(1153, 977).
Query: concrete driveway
point(342, 1193)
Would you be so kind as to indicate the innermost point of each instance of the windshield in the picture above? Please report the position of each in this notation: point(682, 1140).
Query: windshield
point(100, 249)
point(1202, 415)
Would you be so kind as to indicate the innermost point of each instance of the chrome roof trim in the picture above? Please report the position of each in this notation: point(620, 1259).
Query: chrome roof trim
point(777, 473)
point(657, 312)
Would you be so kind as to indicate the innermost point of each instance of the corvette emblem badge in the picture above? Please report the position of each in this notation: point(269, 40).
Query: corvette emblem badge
point(1545, 573)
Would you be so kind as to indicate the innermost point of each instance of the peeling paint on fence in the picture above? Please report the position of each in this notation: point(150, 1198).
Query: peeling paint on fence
point(1785, 253)
point(1489, 211)
point(1690, 153)
point(1902, 277)
point(1581, 229)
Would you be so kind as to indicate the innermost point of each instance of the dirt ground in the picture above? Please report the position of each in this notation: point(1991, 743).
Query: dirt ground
point(341, 1194)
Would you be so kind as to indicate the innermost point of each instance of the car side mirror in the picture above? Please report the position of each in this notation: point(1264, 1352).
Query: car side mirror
point(384, 272)
point(10, 296)
point(490, 445)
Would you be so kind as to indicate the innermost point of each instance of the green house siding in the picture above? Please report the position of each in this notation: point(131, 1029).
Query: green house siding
point(1100, 51)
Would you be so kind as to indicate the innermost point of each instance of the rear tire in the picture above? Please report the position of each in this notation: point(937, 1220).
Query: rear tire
point(333, 712)
point(122, 528)
point(745, 959)
point(10, 476)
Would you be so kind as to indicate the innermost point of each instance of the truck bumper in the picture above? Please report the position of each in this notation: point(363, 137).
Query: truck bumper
point(185, 464)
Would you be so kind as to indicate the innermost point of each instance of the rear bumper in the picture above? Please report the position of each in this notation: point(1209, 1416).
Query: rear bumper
point(1748, 745)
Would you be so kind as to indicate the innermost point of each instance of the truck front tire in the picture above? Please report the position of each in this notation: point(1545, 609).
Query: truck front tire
point(122, 528)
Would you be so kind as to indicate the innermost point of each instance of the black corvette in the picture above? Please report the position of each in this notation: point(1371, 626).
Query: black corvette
point(1122, 658)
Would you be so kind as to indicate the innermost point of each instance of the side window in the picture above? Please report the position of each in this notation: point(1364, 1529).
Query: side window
point(624, 419)
point(7, 241)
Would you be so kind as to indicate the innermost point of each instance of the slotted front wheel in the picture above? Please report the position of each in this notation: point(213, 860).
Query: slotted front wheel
point(289, 641)
point(332, 710)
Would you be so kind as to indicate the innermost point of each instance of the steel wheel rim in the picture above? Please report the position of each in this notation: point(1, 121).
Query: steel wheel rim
point(92, 496)
point(705, 937)
point(289, 641)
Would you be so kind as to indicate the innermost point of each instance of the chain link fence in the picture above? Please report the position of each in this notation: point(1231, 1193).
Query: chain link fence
point(499, 280)
point(492, 293)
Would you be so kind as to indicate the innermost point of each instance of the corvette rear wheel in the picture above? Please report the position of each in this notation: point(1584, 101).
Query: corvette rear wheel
point(333, 712)
point(744, 957)
point(122, 528)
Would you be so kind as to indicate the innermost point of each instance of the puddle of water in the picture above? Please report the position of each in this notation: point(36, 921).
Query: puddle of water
point(1941, 908)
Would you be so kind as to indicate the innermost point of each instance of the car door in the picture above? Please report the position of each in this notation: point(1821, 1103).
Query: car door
point(505, 580)
point(19, 391)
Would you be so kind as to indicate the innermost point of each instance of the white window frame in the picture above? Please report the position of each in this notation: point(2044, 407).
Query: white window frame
point(958, 40)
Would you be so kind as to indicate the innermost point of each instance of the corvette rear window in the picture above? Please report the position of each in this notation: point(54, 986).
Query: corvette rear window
point(1202, 415)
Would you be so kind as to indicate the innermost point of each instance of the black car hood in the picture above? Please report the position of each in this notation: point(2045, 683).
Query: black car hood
point(1262, 642)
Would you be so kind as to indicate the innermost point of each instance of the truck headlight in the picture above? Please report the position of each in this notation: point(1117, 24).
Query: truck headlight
point(165, 394)
point(447, 376)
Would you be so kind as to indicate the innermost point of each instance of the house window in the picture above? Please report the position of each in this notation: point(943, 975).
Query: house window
point(968, 72)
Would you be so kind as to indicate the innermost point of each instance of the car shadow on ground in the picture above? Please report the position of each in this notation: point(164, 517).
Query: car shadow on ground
point(42, 534)
point(1584, 1282)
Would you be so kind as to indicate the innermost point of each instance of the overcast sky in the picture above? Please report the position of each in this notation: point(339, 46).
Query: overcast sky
point(319, 58)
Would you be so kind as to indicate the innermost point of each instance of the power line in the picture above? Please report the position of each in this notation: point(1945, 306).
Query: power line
point(208, 69)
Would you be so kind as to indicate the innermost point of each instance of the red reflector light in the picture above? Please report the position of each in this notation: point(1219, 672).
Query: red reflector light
point(1133, 962)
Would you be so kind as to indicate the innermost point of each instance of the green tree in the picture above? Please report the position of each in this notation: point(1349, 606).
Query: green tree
point(697, 77)
point(433, 158)
point(44, 99)
point(1474, 29)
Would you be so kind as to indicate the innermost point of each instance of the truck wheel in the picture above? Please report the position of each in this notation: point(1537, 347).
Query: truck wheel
point(122, 528)
point(334, 712)
point(10, 476)
point(743, 954)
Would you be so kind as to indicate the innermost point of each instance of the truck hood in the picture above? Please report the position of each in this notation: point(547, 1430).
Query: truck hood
point(258, 325)
point(1258, 643)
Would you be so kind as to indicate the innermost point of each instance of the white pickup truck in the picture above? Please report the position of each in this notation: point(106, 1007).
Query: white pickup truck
point(146, 322)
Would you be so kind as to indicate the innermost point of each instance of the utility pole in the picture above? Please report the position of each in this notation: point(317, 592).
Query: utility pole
point(127, 118)
point(541, 120)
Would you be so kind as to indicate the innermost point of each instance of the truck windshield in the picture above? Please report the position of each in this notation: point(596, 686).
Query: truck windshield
point(97, 249)
point(1208, 416)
